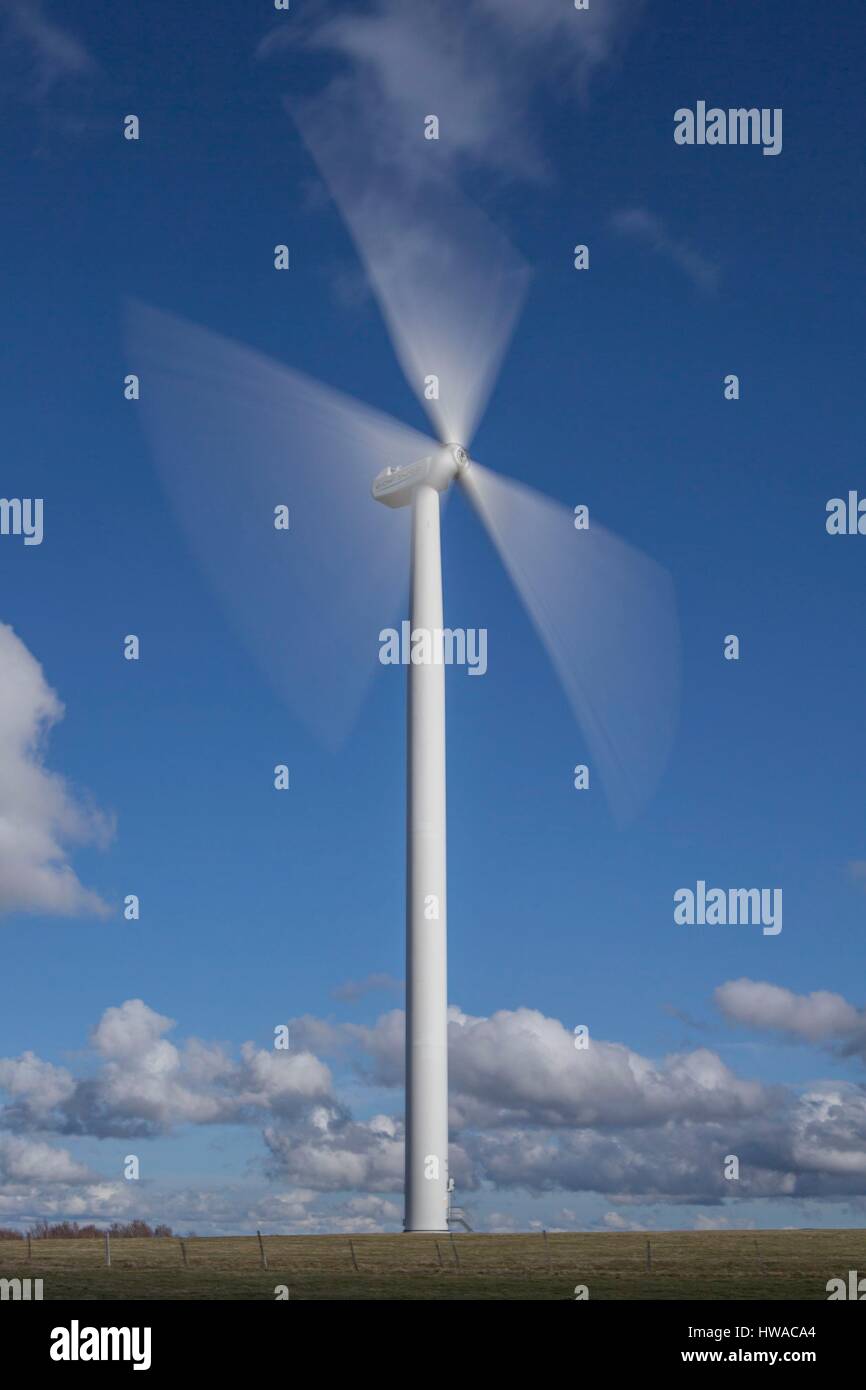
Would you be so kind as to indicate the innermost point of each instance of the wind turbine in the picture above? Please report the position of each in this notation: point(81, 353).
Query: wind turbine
point(237, 434)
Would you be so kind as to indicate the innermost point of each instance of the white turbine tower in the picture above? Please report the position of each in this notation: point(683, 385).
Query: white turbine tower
point(418, 485)
point(237, 434)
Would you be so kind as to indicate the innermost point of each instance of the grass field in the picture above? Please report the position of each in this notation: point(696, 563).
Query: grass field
point(683, 1265)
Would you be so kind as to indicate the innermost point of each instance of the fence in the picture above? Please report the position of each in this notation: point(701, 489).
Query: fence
point(775, 1264)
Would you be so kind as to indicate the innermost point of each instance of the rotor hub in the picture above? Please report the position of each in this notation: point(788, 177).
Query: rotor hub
point(395, 486)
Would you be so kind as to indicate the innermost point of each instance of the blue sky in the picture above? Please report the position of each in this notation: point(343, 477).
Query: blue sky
point(257, 906)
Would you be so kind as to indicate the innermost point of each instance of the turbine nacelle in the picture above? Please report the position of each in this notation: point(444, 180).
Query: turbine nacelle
point(395, 487)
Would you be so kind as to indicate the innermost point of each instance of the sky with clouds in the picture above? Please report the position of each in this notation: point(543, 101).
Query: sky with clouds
point(262, 909)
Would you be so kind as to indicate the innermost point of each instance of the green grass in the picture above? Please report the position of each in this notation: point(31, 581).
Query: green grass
point(776, 1265)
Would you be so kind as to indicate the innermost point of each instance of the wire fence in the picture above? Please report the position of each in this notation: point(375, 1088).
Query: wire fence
point(674, 1260)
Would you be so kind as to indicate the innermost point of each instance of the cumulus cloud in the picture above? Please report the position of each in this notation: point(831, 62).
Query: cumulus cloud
point(529, 1113)
point(332, 1153)
point(521, 1067)
point(820, 1017)
point(828, 1135)
point(35, 1088)
point(645, 228)
point(227, 1209)
point(32, 1161)
point(810, 1145)
point(318, 1035)
point(39, 816)
point(145, 1085)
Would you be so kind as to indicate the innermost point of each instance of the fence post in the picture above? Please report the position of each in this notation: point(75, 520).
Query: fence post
point(183, 1252)
point(354, 1261)
point(439, 1253)
point(547, 1251)
point(107, 1248)
point(262, 1250)
point(454, 1248)
point(29, 1248)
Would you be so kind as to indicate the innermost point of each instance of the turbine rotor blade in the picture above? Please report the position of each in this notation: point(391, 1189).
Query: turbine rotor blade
point(605, 613)
point(448, 283)
point(237, 435)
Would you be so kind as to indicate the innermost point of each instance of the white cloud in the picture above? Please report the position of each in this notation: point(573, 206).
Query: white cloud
point(38, 814)
point(530, 1113)
point(332, 1153)
point(35, 1086)
point(519, 1067)
point(615, 1221)
point(144, 1084)
point(644, 227)
point(32, 1161)
point(829, 1133)
point(230, 1209)
point(820, 1017)
point(476, 64)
